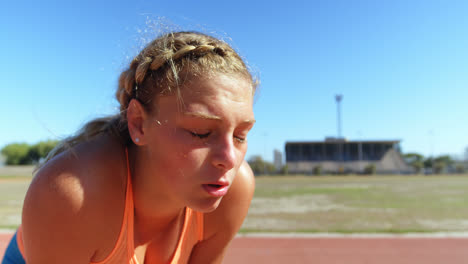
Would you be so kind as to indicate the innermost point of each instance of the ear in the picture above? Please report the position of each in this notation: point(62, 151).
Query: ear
point(136, 117)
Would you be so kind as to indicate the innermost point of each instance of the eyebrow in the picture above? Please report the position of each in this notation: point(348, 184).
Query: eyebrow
point(212, 117)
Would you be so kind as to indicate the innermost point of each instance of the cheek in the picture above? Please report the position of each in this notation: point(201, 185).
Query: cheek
point(176, 152)
point(241, 157)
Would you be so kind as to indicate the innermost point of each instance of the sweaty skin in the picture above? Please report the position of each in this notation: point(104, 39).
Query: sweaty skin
point(186, 144)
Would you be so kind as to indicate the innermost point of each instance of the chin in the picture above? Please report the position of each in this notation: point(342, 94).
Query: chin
point(207, 206)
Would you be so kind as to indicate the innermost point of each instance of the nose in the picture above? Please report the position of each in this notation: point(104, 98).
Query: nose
point(224, 156)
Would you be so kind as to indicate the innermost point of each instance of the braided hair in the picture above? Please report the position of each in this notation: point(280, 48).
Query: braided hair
point(161, 68)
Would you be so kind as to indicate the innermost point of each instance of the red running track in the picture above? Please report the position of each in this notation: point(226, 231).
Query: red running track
point(349, 250)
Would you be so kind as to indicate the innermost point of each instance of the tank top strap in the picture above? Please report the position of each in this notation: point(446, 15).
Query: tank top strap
point(123, 250)
point(200, 225)
point(129, 210)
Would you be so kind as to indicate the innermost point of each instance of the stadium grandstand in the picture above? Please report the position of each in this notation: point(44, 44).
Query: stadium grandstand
point(338, 155)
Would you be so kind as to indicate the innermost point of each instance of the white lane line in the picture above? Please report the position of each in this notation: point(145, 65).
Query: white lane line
point(357, 235)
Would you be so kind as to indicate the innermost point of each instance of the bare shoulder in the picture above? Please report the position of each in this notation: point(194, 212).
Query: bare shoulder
point(73, 198)
point(222, 224)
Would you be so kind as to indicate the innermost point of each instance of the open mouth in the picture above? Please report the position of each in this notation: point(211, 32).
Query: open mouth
point(216, 190)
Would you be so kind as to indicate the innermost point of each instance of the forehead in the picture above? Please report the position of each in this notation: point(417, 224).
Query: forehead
point(234, 87)
point(212, 95)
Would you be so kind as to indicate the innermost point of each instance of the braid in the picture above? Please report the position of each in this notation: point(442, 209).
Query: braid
point(142, 69)
point(161, 59)
point(171, 56)
point(125, 89)
point(167, 55)
point(164, 59)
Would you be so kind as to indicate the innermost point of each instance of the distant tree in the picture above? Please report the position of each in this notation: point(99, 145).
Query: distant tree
point(16, 154)
point(270, 168)
point(256, 164)
point(460, 168)
point(370, 169)
point(446, 159)
point(24, 154)
point(417, 166)
point(412, 157)
point(317, 170)
point(284, 170)
point(466, 153)
point(260, 166)
point(428, 162)
point(41, 149)
point(439, 164)
point(439, 167)
point(415, 160)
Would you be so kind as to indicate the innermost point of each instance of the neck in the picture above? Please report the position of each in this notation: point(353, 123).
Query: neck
point(154, 212)
point(147, 229)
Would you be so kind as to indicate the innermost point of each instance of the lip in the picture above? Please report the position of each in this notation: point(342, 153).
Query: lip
point(216, 189)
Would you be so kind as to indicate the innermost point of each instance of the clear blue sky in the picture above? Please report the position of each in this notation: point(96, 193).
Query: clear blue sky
point(402, 66)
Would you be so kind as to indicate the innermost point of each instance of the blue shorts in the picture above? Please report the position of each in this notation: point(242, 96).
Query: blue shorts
point(12, 253)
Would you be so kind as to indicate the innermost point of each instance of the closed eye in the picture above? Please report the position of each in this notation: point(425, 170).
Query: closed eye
point(200, 135)
point(240, 139)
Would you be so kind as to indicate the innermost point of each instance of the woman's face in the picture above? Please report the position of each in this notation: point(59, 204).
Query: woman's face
point(197, 144)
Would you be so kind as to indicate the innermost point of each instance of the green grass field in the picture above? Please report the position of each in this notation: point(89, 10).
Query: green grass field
point(14, 182)
point(359, 204)
point(344, 204)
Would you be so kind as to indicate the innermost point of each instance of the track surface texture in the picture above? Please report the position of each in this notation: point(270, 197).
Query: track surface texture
point(338, 249)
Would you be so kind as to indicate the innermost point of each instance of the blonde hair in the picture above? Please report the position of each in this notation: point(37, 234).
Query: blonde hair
point(161, 68)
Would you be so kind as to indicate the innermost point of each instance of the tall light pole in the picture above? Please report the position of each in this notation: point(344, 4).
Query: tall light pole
point(338, 99)
point(360, 153)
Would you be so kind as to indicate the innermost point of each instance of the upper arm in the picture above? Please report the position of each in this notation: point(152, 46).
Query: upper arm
point(54, 220)
point(222, 225)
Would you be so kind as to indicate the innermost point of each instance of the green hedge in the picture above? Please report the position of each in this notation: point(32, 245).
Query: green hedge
point(25, 154)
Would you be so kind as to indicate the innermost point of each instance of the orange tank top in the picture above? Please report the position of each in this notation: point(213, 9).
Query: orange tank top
point(123, 252)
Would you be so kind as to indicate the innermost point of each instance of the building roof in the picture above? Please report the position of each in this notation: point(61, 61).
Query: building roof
point(334, 141)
